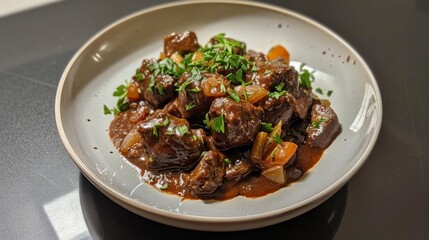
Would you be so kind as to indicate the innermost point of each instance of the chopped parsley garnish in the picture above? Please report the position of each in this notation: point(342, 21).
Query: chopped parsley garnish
point(305, 77)
point(164, 186)
point(279, 87)
point(196, 89)
point(107, 110)
point(316, 123)
point(245, 95)
point(182, 130)
point(163, 124)
point(121, 104)
point(195, 137)
point(196, 75)
point(222, 56)
point(151, 84)
point(227, 161)
point(218, 124)
point(329, 93)
point(276, 95)
point(166, 67)
point(266, 127)
point(139, 76)
point(222, 87)
point(184, 85)
point(189, 106)
point(160, 90)
point(277, 138)
point(233, 94)
point(319, 91)
point(206, 121)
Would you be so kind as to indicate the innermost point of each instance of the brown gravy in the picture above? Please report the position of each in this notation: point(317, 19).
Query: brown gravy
point(252, 186)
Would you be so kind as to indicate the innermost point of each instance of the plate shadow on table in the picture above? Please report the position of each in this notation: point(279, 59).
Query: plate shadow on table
point(107, 220)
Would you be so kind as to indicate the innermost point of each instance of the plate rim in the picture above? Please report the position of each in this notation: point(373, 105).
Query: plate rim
point(168, 217)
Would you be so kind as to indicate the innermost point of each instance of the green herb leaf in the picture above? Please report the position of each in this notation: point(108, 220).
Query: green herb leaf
point(163, 124)
point(166, 122)
point(267, 127)
point(319, 91)
point(233, 94)
point(164, 186)
point(277, 138)
point(195, 90)
point(279, 87)
point(183, 130)
point(151, 84)
point(161, 89)
point(276, 95)
point(329, 93)
point(245, 95)
point(206, 121)
point(107, 111)
point(218, 124)
point(222, 87)
point(139, 76)
point(305, 77)
point(227, 161)
point(155, 131)
point(189, 106)
point(184, 85)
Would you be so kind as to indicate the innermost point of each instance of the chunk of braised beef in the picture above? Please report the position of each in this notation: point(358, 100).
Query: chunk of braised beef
point(172, 108)
point(241, 122)
point(295, 130)
point(293, 172)
point(302, 102)
point(238, 48)
point(194, 100)
point(277, 109)
point(324, 126)
point(169, 142)
point(256, 56)
point(157, 90)
point(271, 74)
point(208, 175)
point(183, 43)
point(240, 164)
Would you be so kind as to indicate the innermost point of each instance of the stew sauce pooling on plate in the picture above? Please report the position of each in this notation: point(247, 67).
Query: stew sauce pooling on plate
point(218, 121)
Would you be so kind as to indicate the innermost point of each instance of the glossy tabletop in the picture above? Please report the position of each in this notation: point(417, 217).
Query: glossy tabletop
point(44, 196)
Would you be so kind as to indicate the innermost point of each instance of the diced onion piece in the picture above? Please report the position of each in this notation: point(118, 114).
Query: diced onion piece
point(132, 138)
point(278, 51)
point(212, 87)
point(258, 148)
point(198, 56)
point(325, 102)
point(275, 174)
point(176, 57)
point(133, 92)
point(252, 93)
point(162, 56)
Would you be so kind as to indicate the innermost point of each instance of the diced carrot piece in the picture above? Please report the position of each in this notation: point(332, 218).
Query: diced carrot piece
point(176, 57)
point(278, 51)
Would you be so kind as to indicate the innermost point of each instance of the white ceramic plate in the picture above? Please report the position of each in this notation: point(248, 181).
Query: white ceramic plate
point(112, 56)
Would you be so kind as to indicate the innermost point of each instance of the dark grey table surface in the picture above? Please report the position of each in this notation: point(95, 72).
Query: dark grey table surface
point(44, 196)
